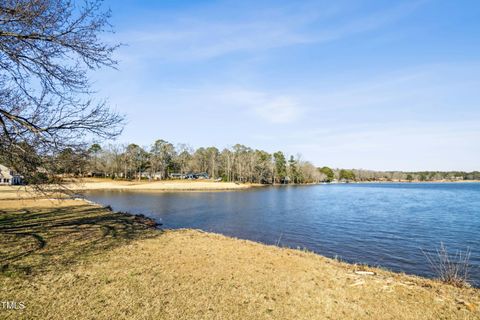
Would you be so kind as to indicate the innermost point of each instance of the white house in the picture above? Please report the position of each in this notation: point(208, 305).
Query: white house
point(9, 177)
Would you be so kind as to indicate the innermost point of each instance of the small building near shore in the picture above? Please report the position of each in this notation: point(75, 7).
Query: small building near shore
point(176, 176)
point(9, 177)
point(195, 176)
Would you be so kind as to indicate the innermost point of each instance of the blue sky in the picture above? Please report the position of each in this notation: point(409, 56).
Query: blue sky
point(386, 85)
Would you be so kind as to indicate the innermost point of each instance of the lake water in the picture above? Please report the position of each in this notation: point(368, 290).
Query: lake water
point(384, 225)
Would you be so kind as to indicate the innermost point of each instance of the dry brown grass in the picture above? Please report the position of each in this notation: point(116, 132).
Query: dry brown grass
point(25, 193)
point(47, 234)
point(14, 193)
point(164, 185)
point(450, 268)
point(188, 274)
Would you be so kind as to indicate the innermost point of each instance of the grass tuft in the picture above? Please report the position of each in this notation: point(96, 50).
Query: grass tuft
point(450, 268)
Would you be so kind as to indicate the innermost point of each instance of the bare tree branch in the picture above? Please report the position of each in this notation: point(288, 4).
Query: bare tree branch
point(47, 48)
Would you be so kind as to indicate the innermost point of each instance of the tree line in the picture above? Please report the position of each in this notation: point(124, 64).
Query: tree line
point(162, 159)
point(369, 175)
point(360, 175)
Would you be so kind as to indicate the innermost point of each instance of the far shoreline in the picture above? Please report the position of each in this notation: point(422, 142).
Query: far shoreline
point(101, 184)
point(411, 182)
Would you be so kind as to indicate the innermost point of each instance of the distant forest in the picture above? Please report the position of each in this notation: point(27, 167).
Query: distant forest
point(163, 160)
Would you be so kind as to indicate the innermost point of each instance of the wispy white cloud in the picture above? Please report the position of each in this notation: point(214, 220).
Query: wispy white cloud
point(408, 145)
point(416, 91)
point(181, 38)
point(270, 107)
point(279, 110)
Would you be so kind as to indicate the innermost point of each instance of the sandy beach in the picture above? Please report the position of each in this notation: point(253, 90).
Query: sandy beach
point(165, 185)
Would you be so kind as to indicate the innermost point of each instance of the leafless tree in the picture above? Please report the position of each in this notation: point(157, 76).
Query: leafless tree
point(226, 159)
point(183, 157)
point(213, 161)
point(162, 154)
point(47, 48)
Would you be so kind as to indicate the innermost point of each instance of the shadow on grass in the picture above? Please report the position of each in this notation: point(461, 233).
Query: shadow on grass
point(37, 240)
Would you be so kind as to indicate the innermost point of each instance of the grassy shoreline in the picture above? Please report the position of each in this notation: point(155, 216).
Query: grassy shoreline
point(68, 259)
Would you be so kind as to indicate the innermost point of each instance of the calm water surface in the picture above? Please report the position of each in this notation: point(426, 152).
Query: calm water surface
point(379, 224)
